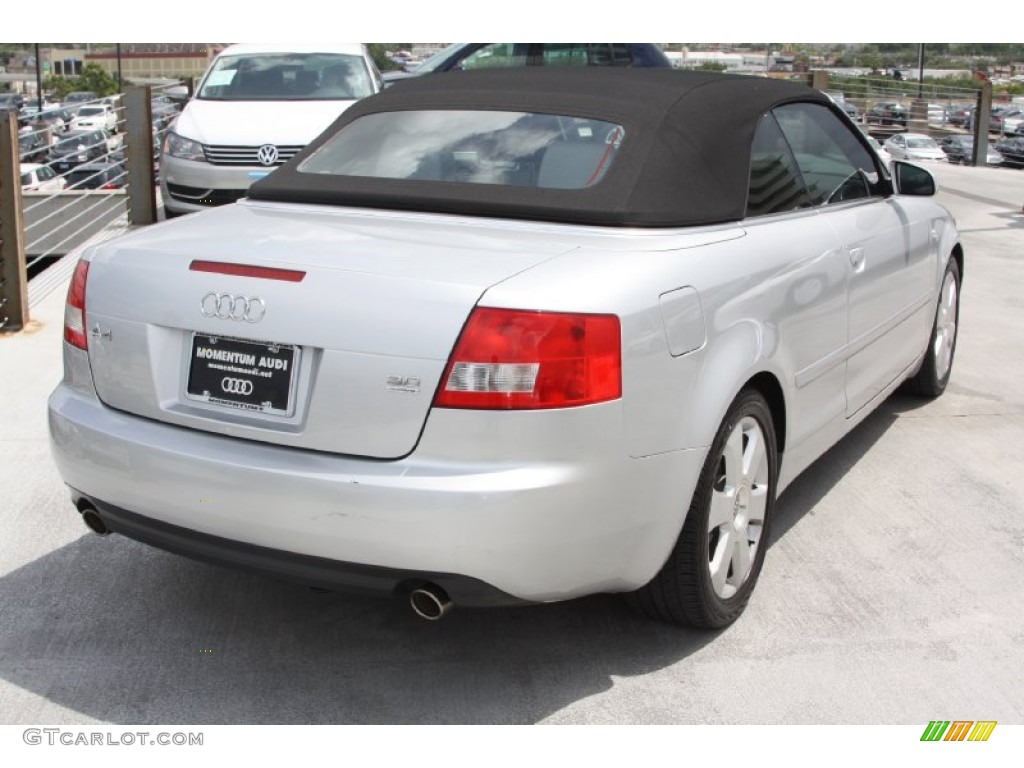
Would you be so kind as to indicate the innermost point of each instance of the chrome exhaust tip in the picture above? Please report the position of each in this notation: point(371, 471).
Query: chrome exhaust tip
point(430, 602)
point(94, 522)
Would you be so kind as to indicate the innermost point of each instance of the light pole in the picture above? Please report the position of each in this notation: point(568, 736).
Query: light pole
point(39, 81)
point(920, 69)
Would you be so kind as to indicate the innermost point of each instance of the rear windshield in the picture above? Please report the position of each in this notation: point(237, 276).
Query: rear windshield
point(476, 147)
point(287, 77)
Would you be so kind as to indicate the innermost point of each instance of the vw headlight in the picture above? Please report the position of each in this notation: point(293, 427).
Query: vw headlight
point(186, 149)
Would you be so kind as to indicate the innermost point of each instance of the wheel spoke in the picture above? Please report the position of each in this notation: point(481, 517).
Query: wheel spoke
point(755, 458)
point(758, 505)
point(720, 561)
point(741, 559)
point(723, 508)
point(733, 455)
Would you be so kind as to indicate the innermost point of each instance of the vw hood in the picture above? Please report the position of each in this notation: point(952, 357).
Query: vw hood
point(249, 123)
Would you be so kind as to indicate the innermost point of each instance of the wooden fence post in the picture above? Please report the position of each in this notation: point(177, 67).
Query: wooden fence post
point(13, 273)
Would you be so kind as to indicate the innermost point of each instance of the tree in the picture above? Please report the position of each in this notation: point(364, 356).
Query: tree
point(380, 57)
point(93, 78)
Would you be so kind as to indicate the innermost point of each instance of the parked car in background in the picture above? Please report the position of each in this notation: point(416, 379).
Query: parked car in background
point(77, 147)
point(937, 114)
point(64, 114)
point(840, 100)
point(1011, 121)
point(51, 119)
point(960, 114)
point(1012, 150)
point(11, 102)
point(887, 113)
point(995, 120)
point(95, 116)
point(75, 99)
point(256, 107)
point(508, 336)
point(960, 149)
point(99, 174)
point(32, 146)
point(36, 177)
point(914, 146)
point(881, 151)
point(467, 56)
point(164, 109)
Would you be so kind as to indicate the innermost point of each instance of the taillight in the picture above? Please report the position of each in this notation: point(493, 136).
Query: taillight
point(74, 309)
point(515, 359)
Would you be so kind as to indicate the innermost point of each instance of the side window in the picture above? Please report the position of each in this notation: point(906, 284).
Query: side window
point(775, 182)
point(835, 165)
point(564, 54)
point(585, 54)
point(496, 55)
point(621, 55)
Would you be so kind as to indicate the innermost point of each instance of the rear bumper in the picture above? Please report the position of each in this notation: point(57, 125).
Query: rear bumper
point(535, 512)
point(303, 569)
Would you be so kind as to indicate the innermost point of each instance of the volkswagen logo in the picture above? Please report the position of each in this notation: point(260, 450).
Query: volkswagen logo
point(267, 154)
point(236, 386)
point(224, 306)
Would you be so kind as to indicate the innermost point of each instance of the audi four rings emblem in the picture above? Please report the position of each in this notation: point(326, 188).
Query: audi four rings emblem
point(251, 309)
point(267, 154)
point(236, 386)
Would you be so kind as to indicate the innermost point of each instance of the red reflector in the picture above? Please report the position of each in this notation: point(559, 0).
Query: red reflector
point(514, 359)
point(247, 270)
point(74, 308)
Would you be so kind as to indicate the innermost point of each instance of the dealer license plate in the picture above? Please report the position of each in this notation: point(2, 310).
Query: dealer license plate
point(251, 375)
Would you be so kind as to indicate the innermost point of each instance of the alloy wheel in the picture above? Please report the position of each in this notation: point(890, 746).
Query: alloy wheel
point(739, 500)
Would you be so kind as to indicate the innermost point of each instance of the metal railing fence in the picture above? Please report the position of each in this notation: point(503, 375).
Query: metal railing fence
point(58, 187)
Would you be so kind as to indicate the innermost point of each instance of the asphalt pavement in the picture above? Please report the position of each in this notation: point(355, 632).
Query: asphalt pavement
point(891, 592)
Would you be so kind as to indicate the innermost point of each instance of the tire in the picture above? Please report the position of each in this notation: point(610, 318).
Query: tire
point(701, 585)
point(933, 375)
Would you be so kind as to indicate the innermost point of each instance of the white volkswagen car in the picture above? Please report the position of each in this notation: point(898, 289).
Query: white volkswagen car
point(256, 107)
point(511, 336)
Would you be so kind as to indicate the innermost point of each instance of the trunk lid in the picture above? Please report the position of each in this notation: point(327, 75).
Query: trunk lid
point(345, 359)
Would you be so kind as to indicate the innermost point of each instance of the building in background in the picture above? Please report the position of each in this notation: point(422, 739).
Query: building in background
point(158, 60)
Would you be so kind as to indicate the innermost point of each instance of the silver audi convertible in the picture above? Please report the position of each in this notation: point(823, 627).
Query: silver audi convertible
point(508, 337)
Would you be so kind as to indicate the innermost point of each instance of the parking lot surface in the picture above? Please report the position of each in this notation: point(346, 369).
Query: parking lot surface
point(891, 592)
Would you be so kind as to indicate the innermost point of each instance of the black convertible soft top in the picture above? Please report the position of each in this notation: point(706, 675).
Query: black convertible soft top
point(686, 160)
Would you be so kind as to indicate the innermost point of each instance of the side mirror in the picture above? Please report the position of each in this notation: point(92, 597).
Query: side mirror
point(912, 179)
point(176, 92)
